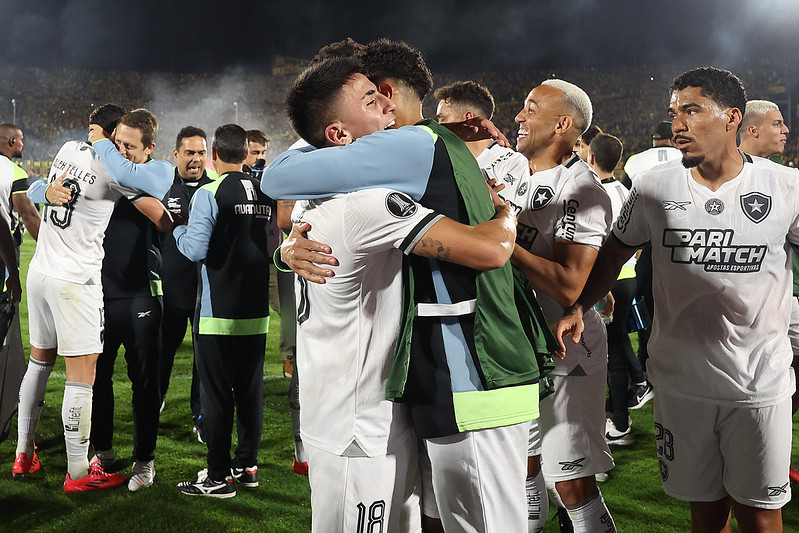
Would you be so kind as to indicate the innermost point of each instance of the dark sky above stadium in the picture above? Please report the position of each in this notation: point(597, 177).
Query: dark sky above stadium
point(455, 35)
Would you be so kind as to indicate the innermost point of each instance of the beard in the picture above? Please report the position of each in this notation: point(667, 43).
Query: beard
point(690, 162)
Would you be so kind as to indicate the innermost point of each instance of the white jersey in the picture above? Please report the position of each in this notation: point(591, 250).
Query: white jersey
point(348, 326)
point(503, 164)
point(722, 273)
point(566, 203)
point(8, 170)
point(643, 161)
point(618, 194)
point(70, 245)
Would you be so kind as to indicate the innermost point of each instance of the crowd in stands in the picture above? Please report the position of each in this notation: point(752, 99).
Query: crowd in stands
point(51, 105)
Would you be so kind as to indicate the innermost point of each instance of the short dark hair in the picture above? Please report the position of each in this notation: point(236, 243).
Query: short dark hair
point(257, 136)
point(384, 59)
point(144, 121)
point(230, 143)
point(107, 117)
point(607, 151)
point(590, 133)
point(309, 103)
point(721, 86)
point(468, 93)
point(344, 48)
point(188, 131)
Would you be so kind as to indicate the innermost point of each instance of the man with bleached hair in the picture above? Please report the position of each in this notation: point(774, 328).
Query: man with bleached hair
point(763, 130)
point(564, 214)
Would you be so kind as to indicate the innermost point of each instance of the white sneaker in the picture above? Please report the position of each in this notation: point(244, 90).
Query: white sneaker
point(143, 475)
point(619, 438)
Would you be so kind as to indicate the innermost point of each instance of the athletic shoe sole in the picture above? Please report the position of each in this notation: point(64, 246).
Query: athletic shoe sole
point(626, 440)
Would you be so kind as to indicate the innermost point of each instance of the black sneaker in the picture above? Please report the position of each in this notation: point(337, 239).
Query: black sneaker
point(640, 394)
point(248, 476)
point(205, 486)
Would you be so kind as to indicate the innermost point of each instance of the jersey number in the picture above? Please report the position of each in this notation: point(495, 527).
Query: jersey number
point(371, 520)
point(303, 307)
point(62, 219)
point(665, 442)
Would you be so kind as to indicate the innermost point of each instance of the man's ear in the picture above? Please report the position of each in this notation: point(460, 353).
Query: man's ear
point(735, 118)
point(591, 160)
point(751, 129)
point(175, 154)
point(565, 123)
point(337, 135)
point(469, 115)
point(386, 89)
point(149, 149)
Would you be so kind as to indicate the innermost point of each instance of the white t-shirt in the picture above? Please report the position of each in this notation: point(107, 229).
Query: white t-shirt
point(503, 164)
point(618, 194)
point(722, 280)
point(643, 161)
point(70, 244)
point(567, 203)
point(348, 326)
point(7, 174)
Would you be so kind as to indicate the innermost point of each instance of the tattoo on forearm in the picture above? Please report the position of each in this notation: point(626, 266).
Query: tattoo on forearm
point(433, 248)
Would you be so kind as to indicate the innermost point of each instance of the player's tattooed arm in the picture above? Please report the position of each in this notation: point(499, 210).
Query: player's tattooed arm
point(435, 249)
point(483, 247)
point(284, 208)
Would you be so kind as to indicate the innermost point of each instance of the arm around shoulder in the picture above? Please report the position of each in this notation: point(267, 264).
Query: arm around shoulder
point(483, 247)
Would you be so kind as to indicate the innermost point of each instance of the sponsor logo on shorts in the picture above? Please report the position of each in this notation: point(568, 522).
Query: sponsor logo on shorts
point(776, 492)
point(509, 179)
point(664, 470)
point(756, 206)
point(400, 205)
point(714, 206)
point(569, 466)
point(542, 195)
point(142, 314)
point(714, 249)
point(522, 189)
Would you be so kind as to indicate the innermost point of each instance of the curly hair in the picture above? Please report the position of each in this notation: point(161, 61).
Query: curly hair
point(384, 60)
point(721, 86)
point(470, 94)
point(344, 48)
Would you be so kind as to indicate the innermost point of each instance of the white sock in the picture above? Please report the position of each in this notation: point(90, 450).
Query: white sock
point(76, 414)
point(537, 503)
point(591, 516)
point(31, 400)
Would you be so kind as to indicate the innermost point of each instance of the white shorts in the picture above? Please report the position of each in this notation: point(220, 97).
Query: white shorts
point(365, 493)
point(793, 328)
point(64, 315)
point(707, 451)
point(534, 439)
point(474, 481)
point(572, 421)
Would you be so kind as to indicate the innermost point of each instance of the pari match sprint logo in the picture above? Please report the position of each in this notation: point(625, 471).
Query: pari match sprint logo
point(714, 249)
